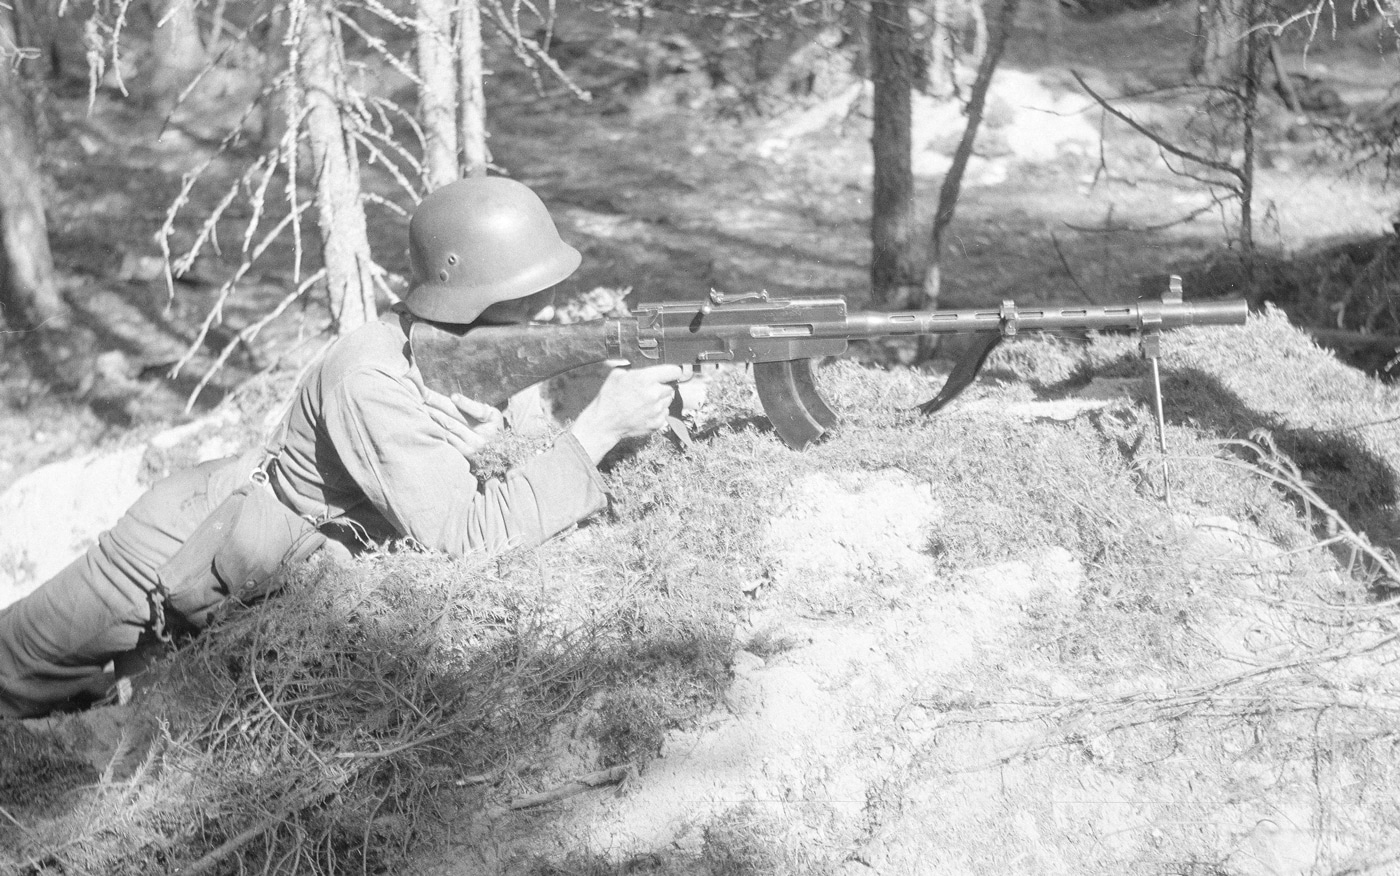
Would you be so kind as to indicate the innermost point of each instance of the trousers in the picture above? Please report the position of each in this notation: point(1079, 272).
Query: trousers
point(56, 643)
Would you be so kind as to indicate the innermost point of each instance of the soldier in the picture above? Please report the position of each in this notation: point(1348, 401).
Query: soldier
point(365, 453)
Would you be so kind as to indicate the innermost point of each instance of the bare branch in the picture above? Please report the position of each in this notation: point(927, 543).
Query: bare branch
point(245, 336)
point(610, 776)
point(1144, 229)
point(380, 48)
point(1064, 263)
point(527, 50)
point(1162, 142)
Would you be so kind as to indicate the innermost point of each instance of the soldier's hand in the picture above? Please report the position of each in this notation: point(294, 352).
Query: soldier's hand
point(470, 425)
point(631, 403)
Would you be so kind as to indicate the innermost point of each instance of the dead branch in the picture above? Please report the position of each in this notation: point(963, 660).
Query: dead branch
point(528, 51)
point(246, 336)
point(226, 289)
point(1079, 719)
point(1162, 142)
point(1278, 469)
point(380, 48)
point(1064, 263)
point(1143, 229)
point(572, 788)
point(209, 862)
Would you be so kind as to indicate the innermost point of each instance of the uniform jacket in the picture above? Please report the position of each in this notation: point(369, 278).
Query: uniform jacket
point(359, 448)
point(360, 445)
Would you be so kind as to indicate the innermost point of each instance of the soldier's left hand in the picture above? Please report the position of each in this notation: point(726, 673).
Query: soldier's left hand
point(470, 425)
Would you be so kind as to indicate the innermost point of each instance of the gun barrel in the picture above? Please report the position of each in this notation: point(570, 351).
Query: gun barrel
point(1010, 318)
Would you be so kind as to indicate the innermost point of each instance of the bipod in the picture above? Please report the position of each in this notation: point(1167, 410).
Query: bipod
point(1150, 344)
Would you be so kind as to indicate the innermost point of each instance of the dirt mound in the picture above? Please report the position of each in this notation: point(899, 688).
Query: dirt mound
point(54, 513)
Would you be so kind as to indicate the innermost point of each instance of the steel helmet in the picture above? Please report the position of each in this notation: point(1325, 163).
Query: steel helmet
point(479, 241)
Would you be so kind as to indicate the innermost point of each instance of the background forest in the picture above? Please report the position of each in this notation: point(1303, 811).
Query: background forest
point(280, 145)
point(975, 643)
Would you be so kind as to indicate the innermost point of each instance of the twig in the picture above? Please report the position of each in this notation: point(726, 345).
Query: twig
point(307, 746)
point(572, 788)
point(1162, 142)
point(380, 47)
point(1159, 706)
point(1143, 229)
point(409, 745)
point(245, 336)
point(5, 812)
point(1273, 466)
point(529, 52)
point(1064, 263)
point(207, 863)
point(48, 852)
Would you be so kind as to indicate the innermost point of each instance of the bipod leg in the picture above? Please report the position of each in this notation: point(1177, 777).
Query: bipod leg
point(1152, 351)
point(1161, 432)
point(1150, 338)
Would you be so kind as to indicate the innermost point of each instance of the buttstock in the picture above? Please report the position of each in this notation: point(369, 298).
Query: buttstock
point(491, 363)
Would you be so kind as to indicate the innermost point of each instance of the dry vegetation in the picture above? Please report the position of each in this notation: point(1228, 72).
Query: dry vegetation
point(1223, 668)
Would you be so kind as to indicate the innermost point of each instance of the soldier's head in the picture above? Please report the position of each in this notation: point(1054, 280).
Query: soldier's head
point(481, 250)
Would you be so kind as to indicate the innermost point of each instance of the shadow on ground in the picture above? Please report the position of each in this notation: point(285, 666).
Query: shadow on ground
point(1353, 480)
point(320, 726)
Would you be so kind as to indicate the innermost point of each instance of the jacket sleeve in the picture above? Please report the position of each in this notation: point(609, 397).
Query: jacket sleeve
point(401, 459)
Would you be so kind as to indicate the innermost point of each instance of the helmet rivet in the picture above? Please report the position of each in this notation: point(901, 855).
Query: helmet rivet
point(452, 258)
point(442, 275)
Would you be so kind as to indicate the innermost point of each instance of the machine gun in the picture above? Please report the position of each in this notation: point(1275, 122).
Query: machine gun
point(780, 337)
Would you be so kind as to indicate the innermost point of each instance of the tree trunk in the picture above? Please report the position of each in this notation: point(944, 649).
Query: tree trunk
point(476, 157)
point(341, 216)
point(892, 273)
point(1253, 66)
point(1052, 28)
point(939, 75)
point(1286, 87)
point(980, 38)
point(28, 288)
point(437, 93)
point(952, 181)
point(33, 27)
point(177, 52)
point(1218, 56)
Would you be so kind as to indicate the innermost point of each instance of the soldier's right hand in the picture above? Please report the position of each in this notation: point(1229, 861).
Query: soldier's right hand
point(631, 403)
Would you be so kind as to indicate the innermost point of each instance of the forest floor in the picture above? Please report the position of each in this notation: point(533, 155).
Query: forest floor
point(977, 644)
